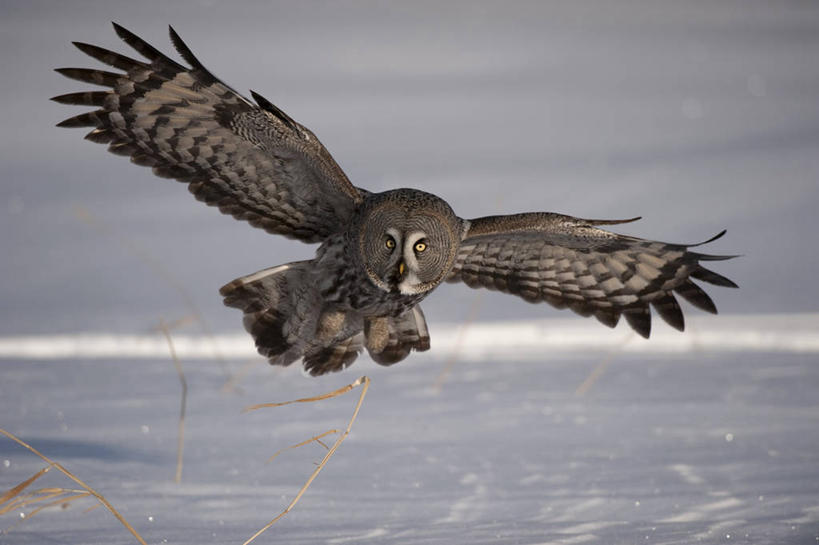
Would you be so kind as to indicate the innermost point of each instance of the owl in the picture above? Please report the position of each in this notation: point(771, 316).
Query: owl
point(379, 254)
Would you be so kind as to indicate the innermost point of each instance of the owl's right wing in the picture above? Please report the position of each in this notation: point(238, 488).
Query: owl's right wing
point(252, 162)
point(570, 263)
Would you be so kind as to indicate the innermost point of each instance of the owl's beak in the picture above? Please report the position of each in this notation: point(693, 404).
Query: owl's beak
point(401, 268)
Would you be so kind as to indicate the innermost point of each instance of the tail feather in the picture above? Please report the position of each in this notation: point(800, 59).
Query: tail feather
point(267, 300)
point(283, 312)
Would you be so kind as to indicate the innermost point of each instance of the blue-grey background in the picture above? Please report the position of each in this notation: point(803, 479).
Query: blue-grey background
point(698, 116)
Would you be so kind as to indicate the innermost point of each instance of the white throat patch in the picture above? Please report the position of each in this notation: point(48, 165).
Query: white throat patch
point(410, 285)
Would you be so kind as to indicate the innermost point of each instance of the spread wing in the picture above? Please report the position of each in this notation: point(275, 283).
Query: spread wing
point(570, 263)
point(253, 162)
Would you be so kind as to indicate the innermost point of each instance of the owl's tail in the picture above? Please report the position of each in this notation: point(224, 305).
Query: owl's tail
point(283, 312)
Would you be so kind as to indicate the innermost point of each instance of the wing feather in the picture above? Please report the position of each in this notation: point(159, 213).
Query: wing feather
point(254, 163)
point(569, 263)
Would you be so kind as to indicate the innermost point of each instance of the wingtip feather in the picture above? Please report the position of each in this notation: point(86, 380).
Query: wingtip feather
point(669, 310)
point(640, 320)
point(712, 239)
point(696, 296)
point(111, 58)
point(613, 222)
point(89, 75)
point(706, 275)
point(184, 50)
point(87, 119)
point(265, 104)
point(83, 98)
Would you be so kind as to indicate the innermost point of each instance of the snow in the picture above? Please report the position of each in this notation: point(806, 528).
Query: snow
point(528, 339)
point(679, 446)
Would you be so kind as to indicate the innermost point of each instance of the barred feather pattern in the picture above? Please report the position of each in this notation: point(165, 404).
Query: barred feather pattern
point(336, 357)
point(283, 312)
point(252, 162)
point(569, 263)
point(391, 339)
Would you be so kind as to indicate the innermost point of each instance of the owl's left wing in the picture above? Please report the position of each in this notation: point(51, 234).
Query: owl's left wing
point(251, 161)
point(570, 263)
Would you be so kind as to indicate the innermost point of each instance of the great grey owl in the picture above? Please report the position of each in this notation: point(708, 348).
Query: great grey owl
point(380, 254)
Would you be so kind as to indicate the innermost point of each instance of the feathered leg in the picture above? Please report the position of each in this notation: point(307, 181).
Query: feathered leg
point(390, 340)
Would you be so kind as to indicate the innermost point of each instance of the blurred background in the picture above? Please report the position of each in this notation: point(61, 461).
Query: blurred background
point(697, 116)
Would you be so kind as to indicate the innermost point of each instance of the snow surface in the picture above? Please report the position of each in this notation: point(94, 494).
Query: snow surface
point(686, 446)
point(528, 339)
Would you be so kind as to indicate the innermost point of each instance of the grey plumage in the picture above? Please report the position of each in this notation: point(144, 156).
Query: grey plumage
point(186, 124)
point(379, 254)
point(570, 263)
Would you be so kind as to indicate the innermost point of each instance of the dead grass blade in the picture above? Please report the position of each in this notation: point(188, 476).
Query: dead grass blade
point(364, 382)
point(64, 501)
point(77, 480)
point(16, 490)
point(328, 395)
point(179, 323)
point(64, 497)
point(180, 443)
point(33, 497)
point(317, 439)
point(601, 367)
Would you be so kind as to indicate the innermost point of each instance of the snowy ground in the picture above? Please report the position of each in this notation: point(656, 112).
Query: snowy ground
point(671, 446)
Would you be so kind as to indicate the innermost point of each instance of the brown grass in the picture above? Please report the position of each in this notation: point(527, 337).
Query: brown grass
point(316, 438)
point(364, 382)
point(601, 367)
point(56, 495)
point(180, 443)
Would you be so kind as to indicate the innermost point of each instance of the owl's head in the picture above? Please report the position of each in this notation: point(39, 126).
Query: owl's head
point(407, 240)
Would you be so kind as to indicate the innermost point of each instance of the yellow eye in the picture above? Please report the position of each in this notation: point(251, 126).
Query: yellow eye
point(390, 243)
point(420, 246)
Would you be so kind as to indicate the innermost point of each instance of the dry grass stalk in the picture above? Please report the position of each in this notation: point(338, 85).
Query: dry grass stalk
point(317, 439)
point(601, 367)
point(179, 323)
point(16, 490)
point(328, 395)
point(20, 501)
point(64, 496)
point(180, 444)
point(74, 478)
point(364, 382)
